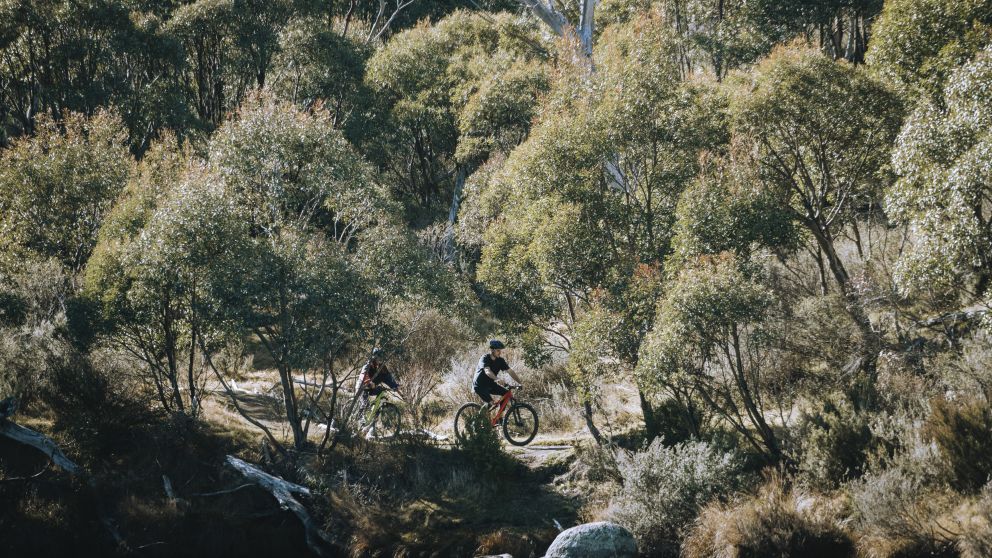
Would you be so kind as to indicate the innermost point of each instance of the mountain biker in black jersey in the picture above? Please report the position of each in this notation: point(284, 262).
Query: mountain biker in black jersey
point(490, 365)
point(375, 377)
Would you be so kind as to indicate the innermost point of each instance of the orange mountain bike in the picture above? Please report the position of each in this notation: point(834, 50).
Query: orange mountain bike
point(519, 420)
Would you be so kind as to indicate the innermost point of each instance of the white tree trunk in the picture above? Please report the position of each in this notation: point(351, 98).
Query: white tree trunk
point(283, 492)
point(560, 25)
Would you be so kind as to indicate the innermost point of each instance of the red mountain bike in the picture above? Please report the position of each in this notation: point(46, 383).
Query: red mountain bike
point(519, 420)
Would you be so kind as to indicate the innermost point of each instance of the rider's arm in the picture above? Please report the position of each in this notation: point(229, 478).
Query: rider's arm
point(514, 376)
point(490, 373)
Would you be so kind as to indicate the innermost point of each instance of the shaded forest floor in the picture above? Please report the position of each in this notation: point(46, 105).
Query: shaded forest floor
point(401, 498)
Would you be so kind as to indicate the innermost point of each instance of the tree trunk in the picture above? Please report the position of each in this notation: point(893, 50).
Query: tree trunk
point(587, 415)
point(650, 423)
point(194, 404)
point(456, 200)
point(283, 491)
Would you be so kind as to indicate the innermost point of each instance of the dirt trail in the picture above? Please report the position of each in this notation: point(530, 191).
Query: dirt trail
point(264, 404)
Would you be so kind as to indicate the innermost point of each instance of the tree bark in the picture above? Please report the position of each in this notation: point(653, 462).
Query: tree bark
point(650, 425)
point(587, 415)
point(456, 200)
point(283, 491)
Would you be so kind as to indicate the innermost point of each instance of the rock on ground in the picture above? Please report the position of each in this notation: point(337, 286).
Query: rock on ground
point(594, 540)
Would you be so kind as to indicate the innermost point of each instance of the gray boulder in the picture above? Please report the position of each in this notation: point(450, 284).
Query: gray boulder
point(594, 540)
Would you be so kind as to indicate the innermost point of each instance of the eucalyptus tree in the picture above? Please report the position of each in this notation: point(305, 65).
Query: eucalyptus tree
point(917, 43)
point(819, 155)
point(714, 337)
point(306, 197)
point(147, 273)
point(57, 186)
point(447, 96)
point(58, 56)
point(588, 203)
point(715, 35)
point(317, 64)
point(228, 48)
point(944, 191)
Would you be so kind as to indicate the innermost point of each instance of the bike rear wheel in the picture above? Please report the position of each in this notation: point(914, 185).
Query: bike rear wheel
point(520, 424)
point(465, 419)
point(387, 421)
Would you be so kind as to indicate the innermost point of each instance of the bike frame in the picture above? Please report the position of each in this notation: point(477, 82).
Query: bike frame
point(504, 402)
point(374, 407)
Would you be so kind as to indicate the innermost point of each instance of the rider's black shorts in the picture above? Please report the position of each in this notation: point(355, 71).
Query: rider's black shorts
point(486, 388)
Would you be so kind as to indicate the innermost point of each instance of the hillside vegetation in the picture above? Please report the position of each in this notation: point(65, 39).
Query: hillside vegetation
point(741, 252)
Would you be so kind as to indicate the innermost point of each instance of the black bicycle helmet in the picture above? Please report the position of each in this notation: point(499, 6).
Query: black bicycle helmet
point(496, 344)
point(377, 353)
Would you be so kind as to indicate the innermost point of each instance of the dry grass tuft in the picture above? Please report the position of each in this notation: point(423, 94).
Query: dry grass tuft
point(778, 521)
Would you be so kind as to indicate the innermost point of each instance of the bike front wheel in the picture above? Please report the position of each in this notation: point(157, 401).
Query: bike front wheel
point(520, 424)
point(465, 419)
point(387, 421)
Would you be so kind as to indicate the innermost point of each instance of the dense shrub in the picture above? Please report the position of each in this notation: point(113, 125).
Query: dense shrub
point(962, 430)
point(482, 445)
point(970, 371)
point(834, 444)
point(975, 540)
point(664, 487)
point(675, 422)
point(775, 522)
point(94, 402)
point(898, 513)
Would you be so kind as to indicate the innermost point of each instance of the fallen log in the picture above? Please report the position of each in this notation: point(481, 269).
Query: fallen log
point(283, 491)
point(42, 443)
point(48, 446)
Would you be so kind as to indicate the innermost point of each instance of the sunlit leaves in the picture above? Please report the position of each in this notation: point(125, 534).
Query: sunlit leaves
point(56, 187)
point(449, 96)
point(944, 159)
point(916, 44)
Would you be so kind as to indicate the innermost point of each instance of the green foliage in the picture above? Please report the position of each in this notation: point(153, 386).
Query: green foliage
point(284, 165)
point(713, 337)
point(961, 430)
point(714, 35)
point(580, 215)
point(835, 442)
point(916, 44)
point(816, 152)
point(449, 95)
point(148, 274)
point(664, 487)
point(56, 186)
point(69, 56)
point(34, 333)
point(725, 209)
point(314, 65)
point(483, 445)
point(943, 156)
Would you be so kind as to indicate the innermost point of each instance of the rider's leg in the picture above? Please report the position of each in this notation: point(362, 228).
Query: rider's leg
point(499, 391)
point(488, 401)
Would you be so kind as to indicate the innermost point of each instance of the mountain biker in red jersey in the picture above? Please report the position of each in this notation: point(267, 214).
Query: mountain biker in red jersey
point(490, 365)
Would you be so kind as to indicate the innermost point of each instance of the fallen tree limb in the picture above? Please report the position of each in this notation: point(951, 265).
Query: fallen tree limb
point(283, 492)
point(42, 443)
point(48, 446)
point(953, 318)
